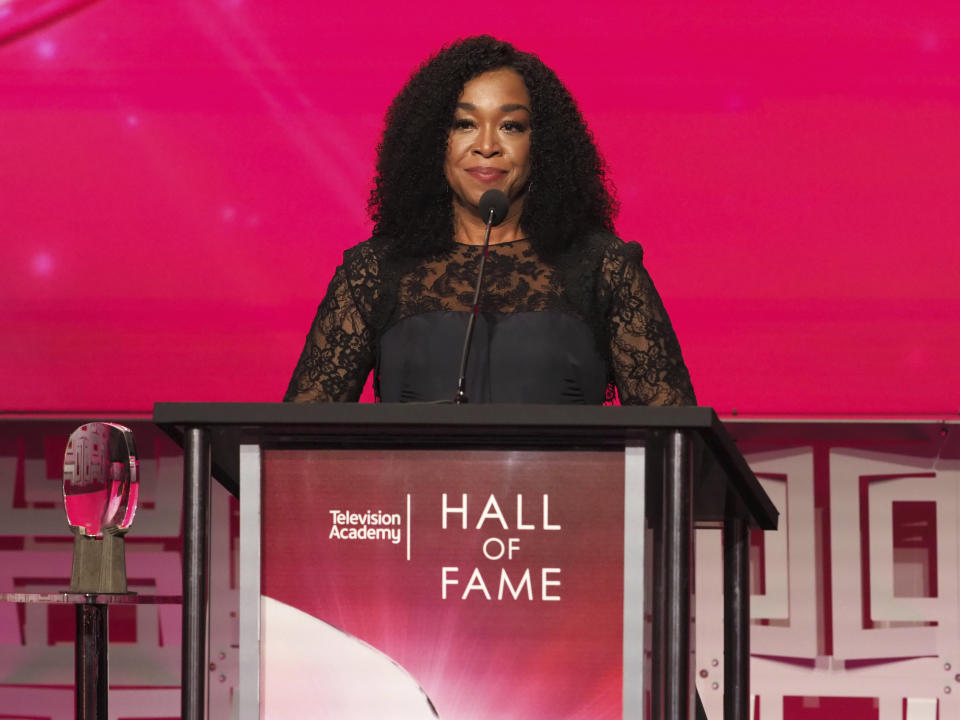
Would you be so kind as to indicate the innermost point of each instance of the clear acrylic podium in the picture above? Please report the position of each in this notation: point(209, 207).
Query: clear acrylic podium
point(680, 469)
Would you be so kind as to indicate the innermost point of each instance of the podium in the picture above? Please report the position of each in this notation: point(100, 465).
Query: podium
point(679, 467)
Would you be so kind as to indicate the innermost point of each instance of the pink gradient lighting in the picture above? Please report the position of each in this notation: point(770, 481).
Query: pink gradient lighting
point(46, 49)
point(930, 42)
point(42, 264)
point(792, 173)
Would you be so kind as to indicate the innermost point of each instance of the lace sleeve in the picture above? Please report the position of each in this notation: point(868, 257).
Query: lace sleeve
point(339, 351)
point(647, 364)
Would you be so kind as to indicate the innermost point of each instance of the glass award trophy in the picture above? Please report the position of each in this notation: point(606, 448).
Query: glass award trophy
point(100, 491)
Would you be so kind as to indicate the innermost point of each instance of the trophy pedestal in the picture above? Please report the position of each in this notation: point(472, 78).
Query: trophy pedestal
point(99, 564)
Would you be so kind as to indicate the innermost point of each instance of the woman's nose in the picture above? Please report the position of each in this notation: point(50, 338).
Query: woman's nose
point(487, 143)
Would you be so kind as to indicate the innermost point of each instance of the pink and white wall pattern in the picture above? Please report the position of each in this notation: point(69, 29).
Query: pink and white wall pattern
point(859, 608)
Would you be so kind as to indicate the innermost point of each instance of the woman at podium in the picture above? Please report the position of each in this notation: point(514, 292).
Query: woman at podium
point(566, 313)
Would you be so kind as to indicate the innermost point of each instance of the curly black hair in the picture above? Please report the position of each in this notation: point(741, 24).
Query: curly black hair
point(568, 197)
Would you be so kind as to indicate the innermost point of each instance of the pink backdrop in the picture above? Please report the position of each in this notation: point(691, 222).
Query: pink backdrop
point(179, 179)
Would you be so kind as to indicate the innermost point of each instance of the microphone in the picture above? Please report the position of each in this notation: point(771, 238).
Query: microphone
point(493, 207)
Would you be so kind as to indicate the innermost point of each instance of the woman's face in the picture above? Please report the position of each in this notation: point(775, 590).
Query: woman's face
point(489, 142)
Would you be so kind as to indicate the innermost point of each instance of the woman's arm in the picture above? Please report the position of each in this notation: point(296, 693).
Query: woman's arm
point(338, 353)
point(648, 367)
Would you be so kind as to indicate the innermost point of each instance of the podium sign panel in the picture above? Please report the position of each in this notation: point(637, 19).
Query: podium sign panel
point(481, 583)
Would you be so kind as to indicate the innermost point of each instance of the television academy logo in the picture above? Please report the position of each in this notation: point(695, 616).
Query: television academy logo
point(375, 525)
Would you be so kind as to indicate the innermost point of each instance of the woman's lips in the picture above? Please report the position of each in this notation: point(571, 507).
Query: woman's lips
point(486, 174)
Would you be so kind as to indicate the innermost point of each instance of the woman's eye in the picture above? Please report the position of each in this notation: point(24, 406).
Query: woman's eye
point(462, 124)
point(514, 126)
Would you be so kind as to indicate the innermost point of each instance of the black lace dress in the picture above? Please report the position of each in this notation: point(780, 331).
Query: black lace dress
point(583, 330)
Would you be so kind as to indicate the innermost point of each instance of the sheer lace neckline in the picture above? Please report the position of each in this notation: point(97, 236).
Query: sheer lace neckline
point(494, 245)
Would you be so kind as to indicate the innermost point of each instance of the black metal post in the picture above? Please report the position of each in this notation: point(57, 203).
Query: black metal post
point(656, 510)
point(736, 613)
point(678, 577)
point(196, 491)
point(90, 662)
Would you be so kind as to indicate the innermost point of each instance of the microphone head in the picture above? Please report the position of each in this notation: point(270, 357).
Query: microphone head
point(495, 200)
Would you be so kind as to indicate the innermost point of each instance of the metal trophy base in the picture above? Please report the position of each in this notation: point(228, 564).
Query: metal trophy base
point(99, 564)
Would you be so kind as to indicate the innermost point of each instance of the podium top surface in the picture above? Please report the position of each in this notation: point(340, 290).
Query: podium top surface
point(328, 415)
point(556, 426)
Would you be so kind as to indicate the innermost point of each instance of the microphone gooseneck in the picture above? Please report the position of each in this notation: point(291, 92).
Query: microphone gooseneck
point(493, 207)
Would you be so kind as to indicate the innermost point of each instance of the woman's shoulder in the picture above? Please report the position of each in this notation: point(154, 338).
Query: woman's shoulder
point(613, 249)
point(603, 252)
point(367, 258)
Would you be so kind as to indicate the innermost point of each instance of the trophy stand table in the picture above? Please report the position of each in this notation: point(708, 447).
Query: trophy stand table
point(90, 650)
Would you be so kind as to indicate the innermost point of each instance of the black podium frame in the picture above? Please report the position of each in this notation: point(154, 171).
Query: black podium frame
point(695, 476)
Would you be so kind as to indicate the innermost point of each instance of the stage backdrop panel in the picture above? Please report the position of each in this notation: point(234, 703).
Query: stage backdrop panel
point(179, 179)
